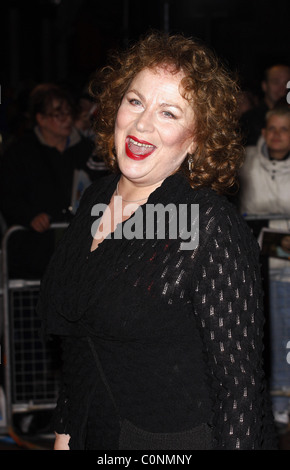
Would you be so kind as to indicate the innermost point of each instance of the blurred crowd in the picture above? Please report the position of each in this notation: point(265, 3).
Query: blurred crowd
point(48, 159)
point(263, 199)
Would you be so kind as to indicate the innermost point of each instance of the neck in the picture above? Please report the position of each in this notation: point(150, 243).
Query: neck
point(131, 200)
point(276, 155)
point(133, 193)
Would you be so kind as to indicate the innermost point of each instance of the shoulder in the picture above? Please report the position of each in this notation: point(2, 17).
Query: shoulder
point(215, 211)
point(220, 219)
point(212, 205)
point(257, 112)
point(27, 141)
point(103, 183)
point(101, 186)
point(252, 159)
point(80, 141)
point(251, 151)
point(21, 154)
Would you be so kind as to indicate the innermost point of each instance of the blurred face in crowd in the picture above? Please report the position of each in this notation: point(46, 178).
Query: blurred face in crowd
point(56, 122)
point(275, 86)
point(153, 131)
point(285, 243)
point(83, 120)
point(277, 136)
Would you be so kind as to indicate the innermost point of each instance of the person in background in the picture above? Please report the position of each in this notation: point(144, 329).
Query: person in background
point(86, 111)
point(265, 191)
point(162, 330)
point(37, 177)
point(86, 108)
point(247, 101)
point(274, 86)
point(283, 249)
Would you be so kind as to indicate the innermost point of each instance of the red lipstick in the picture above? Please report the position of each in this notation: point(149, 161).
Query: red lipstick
point(138, 149)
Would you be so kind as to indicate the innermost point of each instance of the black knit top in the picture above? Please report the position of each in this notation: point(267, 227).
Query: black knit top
point(179, 332)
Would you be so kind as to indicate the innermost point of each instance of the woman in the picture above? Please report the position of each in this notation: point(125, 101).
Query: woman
point(162, 337)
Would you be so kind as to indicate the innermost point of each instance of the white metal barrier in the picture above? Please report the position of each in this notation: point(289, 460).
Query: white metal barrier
point(276, 224)
point(30, 378)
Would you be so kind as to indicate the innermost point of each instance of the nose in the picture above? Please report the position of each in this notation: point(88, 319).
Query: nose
point(276, 133)
point(145, 121)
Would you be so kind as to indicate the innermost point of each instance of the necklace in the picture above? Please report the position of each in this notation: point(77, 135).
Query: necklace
point(126, 200)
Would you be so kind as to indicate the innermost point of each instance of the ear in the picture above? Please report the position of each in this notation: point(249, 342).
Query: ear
point(39, 119)
point(192, 148)
point(263, 132)
point(264, 86)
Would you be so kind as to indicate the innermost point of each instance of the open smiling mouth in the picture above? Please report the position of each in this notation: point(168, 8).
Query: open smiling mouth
point(138, 149)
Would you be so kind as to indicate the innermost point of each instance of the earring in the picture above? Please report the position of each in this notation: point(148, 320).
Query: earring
point(190, 164)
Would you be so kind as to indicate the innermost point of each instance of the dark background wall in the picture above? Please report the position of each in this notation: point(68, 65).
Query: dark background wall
point(66, 40)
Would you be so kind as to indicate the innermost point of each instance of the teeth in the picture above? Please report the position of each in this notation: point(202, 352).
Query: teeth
point(139, 144)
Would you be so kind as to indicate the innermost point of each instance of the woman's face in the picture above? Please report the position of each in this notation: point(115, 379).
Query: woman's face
point(153, 130)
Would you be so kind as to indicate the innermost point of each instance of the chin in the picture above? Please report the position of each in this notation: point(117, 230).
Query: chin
point(129, 166)
point(132, 175)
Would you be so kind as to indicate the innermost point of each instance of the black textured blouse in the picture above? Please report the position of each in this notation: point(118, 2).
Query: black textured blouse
point(179, 332)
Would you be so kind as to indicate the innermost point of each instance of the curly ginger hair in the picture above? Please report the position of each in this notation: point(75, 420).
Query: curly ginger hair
point(207, 85)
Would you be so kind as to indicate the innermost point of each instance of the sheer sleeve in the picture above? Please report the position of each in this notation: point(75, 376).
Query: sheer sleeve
point(228, 307)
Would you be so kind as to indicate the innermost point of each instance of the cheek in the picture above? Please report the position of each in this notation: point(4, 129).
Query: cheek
point(177, 140)
point(118, 129)
point(56, 127)
point(122, 119)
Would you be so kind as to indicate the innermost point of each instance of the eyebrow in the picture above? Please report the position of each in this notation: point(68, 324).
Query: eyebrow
point(162, 104)
point(278, 127)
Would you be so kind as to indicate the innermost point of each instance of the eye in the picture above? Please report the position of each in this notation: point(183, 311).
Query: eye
point(169, 114)
point(135, 102)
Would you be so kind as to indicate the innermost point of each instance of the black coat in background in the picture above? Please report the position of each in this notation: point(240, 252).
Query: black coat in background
point(36, 178)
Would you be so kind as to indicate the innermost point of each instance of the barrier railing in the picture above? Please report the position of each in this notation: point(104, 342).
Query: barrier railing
point(275, 228)
point(30, 380)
